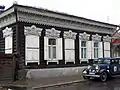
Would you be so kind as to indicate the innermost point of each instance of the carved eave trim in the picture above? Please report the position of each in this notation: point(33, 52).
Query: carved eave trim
point(59, 22)
point(52, 33)
point(33, 30)
point(6, 12)
point(107, 38)
point(7, 20)
point(96, 37)
point(84, 36)
point(7, 32)
point(70, 35)
point(44, 12)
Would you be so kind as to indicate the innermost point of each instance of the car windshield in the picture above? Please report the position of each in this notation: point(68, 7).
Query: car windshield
point(101, 61)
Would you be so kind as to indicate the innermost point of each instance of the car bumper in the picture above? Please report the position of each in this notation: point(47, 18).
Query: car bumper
point(91, 74)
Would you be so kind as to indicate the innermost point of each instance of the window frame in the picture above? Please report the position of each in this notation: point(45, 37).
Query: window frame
point(96, 48)
point(50, 47)
point(83, 56)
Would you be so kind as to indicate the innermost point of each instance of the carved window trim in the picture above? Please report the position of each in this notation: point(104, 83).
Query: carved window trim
point(96, 37)
point(107, 38)
point(70, 35)
point(52, 33)
point(84, 36)
point(7, 32)
point(33, 30)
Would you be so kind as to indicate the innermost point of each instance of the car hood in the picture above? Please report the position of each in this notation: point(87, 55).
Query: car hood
point(102, 66)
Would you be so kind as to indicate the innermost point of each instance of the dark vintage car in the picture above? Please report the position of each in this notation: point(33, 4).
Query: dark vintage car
point(102, 68)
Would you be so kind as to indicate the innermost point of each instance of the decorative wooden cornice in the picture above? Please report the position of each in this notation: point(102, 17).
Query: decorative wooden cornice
point(96, 37)
point(59, 22)
point(70, 35)
point(7, 32)
point(107, 38)
point(52, 33)
point(7, 20)
point(84, 36)
point(35, 15)
point(33, 30)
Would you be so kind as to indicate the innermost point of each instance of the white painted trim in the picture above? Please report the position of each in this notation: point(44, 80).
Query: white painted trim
point(70, 61)
point(84, 36)
point(96, 37)
point(52, 61)
point(107, 38)
point(69, 35)
point(33, 30)
point(52, 33)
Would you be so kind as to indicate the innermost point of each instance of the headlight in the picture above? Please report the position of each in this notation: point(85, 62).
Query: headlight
point(97, 67)
point(89, 67)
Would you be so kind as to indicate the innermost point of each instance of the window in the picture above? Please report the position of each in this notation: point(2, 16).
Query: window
point(52, 48)
point(83, 49)
point(96, 48)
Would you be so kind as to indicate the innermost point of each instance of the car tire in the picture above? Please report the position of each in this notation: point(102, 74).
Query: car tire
point(103, 76)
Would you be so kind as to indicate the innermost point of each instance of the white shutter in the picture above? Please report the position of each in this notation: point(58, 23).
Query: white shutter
point(67, 44)
point(32, 49)
point(59, 51)
point(8, 44)
point(92, 45)
point(100, 50)
point(106, 49)
point(72, 44)
point(67, 55)
point(106, 53)
point(32, 41)
point(89, 49)
point(69, 50)
point(106, 45)
point(46, 48)
point(72, 54)
point(79, 49)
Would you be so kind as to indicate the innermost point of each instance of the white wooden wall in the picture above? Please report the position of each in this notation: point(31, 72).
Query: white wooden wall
point(32, 48)
point(106, 49)
point(69, 50)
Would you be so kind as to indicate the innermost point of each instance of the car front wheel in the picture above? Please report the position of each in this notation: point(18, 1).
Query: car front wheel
point(103, 76)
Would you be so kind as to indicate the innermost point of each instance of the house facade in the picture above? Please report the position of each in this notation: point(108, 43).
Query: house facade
point(116, 44)
point(48, 38)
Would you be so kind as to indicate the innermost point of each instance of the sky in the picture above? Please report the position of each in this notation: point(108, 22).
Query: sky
point(100, 10)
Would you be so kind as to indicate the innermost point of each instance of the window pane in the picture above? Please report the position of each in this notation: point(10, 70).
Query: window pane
point(95, 44)
point(83, 43)
point(84, 52)
point(52, 42)
point(95, 52)
point(49, 52)
point(54, 52)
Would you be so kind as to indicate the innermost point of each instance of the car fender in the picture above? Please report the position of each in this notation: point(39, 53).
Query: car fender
point(103, 70)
